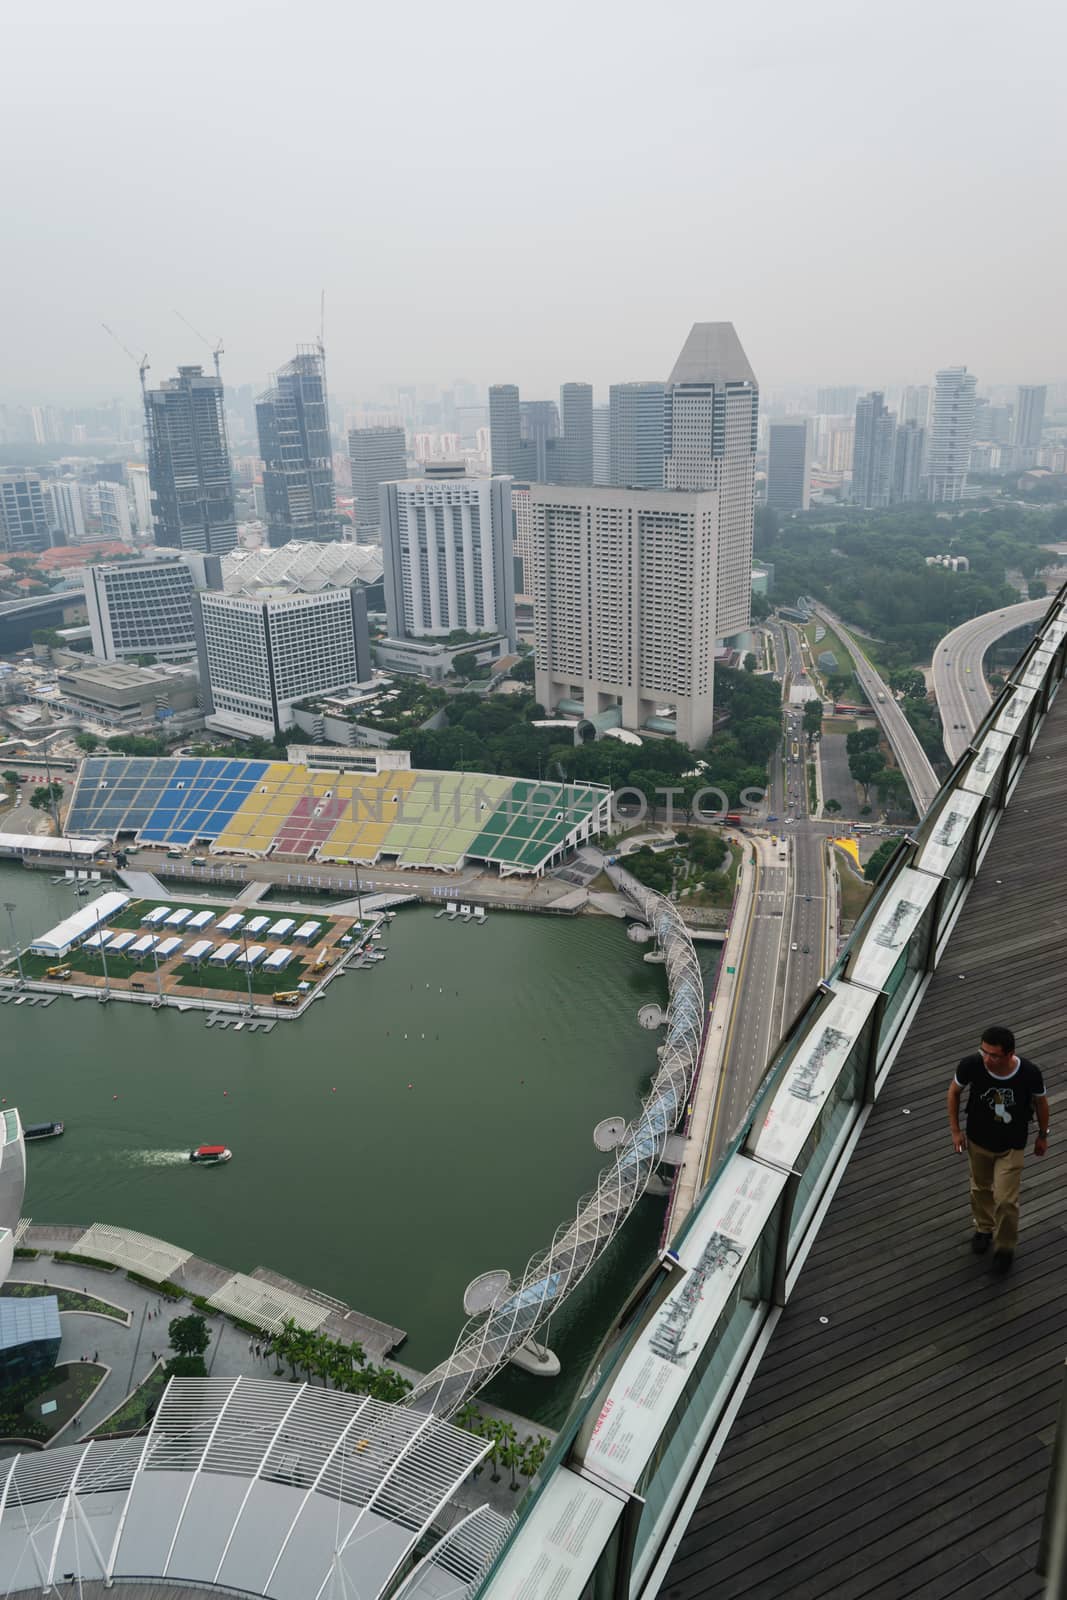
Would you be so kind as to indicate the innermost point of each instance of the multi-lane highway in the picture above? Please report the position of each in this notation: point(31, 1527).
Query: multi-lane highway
point(962, 693)
point(911, 758)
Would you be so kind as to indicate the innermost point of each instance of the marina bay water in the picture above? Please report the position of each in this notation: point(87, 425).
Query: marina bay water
point(430, 1119)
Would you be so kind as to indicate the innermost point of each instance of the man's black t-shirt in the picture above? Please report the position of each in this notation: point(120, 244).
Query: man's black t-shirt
point(998, 1109)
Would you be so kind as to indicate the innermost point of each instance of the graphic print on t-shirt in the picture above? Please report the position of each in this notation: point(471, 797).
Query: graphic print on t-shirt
point(1000, 1102)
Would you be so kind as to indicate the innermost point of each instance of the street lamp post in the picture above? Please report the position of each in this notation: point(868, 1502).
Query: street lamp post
point(159, 980)
point(9, 907)
point(107, 979)
point(248, 974)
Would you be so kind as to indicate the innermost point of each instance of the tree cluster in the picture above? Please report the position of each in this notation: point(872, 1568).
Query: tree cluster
point(507, 1449)
point(873, 869)
point(345, 1366)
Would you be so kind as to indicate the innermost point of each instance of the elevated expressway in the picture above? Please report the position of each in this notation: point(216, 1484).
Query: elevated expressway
point(910, 756)
point(960, 688)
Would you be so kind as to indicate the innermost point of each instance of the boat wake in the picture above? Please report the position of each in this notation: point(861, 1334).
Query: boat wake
point(158, 1158)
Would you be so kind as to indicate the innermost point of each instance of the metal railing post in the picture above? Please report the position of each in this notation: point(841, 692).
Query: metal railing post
point(1052, 1549)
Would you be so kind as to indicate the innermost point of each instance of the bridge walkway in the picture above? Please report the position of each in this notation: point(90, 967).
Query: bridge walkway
point(895, 1441)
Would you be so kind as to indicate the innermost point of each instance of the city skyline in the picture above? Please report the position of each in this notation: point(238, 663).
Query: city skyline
point(829, 80)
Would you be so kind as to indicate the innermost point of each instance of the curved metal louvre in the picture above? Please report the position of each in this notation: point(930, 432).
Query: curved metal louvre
point(489, 1339)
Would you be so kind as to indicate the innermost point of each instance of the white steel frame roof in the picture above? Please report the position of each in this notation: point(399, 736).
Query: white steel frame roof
point(253, 1300)
point(134, 1252)
point(269, 1488)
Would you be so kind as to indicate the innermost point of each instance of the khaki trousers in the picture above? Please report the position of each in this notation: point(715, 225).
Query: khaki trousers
point(995, 1179)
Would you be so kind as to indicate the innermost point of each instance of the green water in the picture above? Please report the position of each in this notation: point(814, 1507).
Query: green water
point(430, 1119)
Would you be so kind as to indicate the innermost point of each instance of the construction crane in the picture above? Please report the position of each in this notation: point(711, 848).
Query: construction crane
point(142, 365)
point(217, 350)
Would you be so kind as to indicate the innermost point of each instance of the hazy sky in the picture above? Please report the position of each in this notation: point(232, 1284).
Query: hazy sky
point(532, 193)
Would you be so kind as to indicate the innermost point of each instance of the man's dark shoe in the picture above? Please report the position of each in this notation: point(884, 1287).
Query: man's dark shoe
point(980, 1243)
point(1002, 1260)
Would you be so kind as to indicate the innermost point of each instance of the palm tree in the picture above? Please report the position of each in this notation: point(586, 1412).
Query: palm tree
point(534, 1455)
point(469, 1417)
point(512, 1455)
point(506, 1439)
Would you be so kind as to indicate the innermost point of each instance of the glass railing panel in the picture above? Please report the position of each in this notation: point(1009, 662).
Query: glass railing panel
point(1013, 706)
point(567, 1537)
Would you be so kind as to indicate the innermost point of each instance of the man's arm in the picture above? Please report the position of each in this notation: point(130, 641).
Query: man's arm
point(1041, 1107)
point(959, 1141)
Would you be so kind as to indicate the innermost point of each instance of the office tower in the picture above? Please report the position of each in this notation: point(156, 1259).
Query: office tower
point(137, 478)
point(259, 654)
point(789, 465)
point(447, 549)
point(377, 456)
point(602, 444)
point(576, 418)
point(950, 433)
point(915, 404)
point(23, 518)
point(189, 463)
point(293, 422)
point(711, 418)
point(522, 527)
point(873, 451)
point(146, 607)
point(1029, 415)
point(110, 503)
point(992, 424)
point(838, 400)
point(908, 448)
point(636, 412)
point(540, 456)
point(64, 500)
point(505, 427)
point(624, 585)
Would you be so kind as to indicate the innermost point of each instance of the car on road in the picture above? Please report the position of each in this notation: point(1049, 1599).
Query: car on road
point(793, 946)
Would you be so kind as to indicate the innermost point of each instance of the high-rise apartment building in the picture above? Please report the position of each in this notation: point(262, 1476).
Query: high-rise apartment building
point(293, 422)
point(789, 465)
point(137, 478)
point(711, 420)
point(377, 456)
point(837, 441)
point(602, 444)
point(1029, 415)
point(950, 433)
point(64, 501)
point(624, 587)
point(447, 549)
point(505, 428)
point(540, 452)
point(576, 418)
point(258, 654)
point(189, 463)
point(146, 607)
point(873, 451)
point(915, 403)
point(522, 524)
point(908, 449)
point(836, 400)
point(110, 502)
point(23, 517)
point(636, 412)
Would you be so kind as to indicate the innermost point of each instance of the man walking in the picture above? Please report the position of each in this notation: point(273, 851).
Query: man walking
point(1004, 1091)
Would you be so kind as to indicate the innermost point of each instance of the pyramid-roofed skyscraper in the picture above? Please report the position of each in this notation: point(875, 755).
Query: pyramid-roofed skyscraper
point(711, 412)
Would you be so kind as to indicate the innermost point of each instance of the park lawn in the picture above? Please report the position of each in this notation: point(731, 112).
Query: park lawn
point(131, 915)
point(854, 694)
point(69, 1299)
point(235, 980)
point(69, 1385)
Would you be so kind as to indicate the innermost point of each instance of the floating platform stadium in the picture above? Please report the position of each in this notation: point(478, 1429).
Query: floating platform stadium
point(438, 820)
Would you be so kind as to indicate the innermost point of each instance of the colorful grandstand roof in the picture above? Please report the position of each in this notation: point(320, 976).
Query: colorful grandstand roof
point(421, 819)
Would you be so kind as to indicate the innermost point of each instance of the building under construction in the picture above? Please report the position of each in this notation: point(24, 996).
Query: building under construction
point(189, 463)
point(294, 441)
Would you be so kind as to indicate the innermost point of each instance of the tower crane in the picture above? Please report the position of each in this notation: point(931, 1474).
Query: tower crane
point(142, 365)
point(217, 350)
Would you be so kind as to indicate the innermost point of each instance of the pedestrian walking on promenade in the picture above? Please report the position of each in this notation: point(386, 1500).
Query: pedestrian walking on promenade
point(1004, 1091)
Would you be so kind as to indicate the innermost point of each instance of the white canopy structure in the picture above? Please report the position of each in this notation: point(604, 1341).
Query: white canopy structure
point(135, 1252)
point(262, 1488)
point(66, 934)
point(265, 1305)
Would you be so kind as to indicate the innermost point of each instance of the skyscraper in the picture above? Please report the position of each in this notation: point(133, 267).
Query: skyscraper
point(950, 433)
point(915, 404)
point(447, 550)
point(602, 444)
point(789, 465)
point(189, 463)
point(1029, 416)
point(625, 606)
point(23, 518)
point(711, 416)
point(636, 411)
point(258, 654)
point(873, 451)
point(377, 455)
point(110, 502)
point(145, 607)
point(837, 400)
point(576, 417)
point(908, 461)
point(64, 497)
point(293, 422)
point(505, 428)
point(540, 457)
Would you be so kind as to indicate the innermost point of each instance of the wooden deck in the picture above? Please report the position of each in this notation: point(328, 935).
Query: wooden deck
point(901, 1447)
